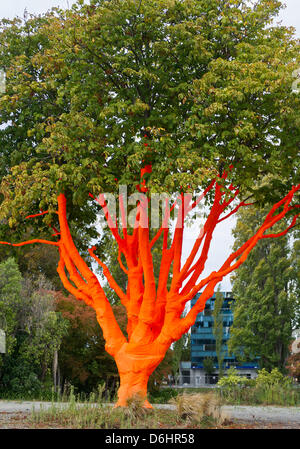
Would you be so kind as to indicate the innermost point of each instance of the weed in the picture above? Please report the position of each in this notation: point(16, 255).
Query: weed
point(199, 407)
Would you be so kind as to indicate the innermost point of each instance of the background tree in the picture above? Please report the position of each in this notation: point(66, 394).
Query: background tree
point(295, 279)
point(293, 366)
point(82, 359)
point(265, 302)
point(33, 332)
point(10, 300)
point(218, 330)
point(42, 327)
point(209, 365)
point(181, 353)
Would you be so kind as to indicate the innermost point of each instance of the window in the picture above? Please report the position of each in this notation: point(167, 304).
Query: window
point(210, 347)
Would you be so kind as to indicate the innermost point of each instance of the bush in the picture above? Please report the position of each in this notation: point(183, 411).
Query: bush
point(233, 380)
point(275, 377)
point(268, 388)
point(162, 396)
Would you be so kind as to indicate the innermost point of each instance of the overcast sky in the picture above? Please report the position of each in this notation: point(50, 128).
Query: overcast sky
point(221, 246)
point(12, 8)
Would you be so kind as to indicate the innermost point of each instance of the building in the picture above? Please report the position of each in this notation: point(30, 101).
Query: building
point(203, 345)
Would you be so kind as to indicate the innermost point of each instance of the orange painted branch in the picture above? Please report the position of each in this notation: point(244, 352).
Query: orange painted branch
point(135, 293)
point(209, 227)
point(162, 291)
point(165, 224)
point(37, 215)
point(112, 226)
point(177, 241)
point(68, 286)
point(111, 331)
point(147, 307)
point(280, 234)
point(29, 242)
point(121, 263)
point(184, 272)
point(111, 281)
point(68, 243)
point(244, 250)
point(235, 210)
point(75, 277)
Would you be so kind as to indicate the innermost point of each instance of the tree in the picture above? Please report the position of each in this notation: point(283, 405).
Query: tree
point(265, 296)
point(42, 328)
point(185, 96)
point(10, 300)
point(154, 316)
point(293, 366)
point(36, 261)
point(218, 330)
point(208, 365)
point(33, 330)
point(180, 353)
point(203, 79)
point(295, 279)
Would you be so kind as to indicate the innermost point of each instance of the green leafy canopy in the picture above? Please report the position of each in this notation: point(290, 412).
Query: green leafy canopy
point(209, 83)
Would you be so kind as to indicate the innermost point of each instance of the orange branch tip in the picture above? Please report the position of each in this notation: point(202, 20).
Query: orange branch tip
point(37, 215)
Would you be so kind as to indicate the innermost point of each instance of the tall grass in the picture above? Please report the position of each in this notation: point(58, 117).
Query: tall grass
point(198, 410)
point(94, 415)
point(260, 395)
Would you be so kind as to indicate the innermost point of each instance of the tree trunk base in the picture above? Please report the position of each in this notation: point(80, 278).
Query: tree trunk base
point(133, 389)
point(135, 366)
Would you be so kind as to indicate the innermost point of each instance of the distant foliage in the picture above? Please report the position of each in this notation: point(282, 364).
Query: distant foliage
point(33, 331)
point(265, 290)
point(232, 380)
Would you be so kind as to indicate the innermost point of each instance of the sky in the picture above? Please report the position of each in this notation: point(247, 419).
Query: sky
point(222, 243)
point(12, 8)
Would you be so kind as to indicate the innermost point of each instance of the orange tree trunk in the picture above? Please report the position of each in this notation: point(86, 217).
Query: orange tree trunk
point(135, 365)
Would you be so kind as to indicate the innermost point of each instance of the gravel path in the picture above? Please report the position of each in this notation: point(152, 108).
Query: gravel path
point(283, 415)
point(288, 417)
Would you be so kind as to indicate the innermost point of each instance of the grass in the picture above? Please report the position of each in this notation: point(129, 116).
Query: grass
point(261, 395)
point(191, 411)
point(199, 408)
point(194, 408)
point(286, 396)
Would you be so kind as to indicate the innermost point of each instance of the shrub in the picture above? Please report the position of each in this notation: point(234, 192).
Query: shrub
point(233, 380)
point(162, 396)
point(268, 388)
point(275, 377)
